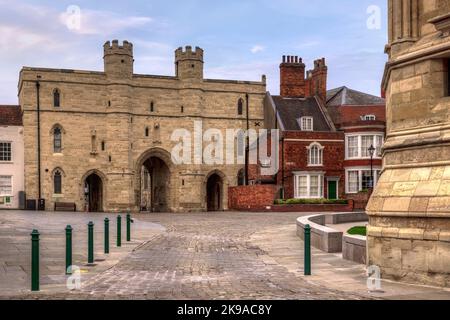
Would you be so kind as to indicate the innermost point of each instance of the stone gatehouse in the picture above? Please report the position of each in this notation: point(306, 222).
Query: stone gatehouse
point(105, 137)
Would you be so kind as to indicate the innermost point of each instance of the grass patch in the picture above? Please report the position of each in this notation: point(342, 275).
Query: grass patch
point(358, 231)
point(309, 201)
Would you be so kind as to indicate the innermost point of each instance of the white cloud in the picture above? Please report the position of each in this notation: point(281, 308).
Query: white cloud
point(94, 22)
point(257, 48)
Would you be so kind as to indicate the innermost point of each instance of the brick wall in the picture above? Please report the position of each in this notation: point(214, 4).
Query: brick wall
point(256, 197)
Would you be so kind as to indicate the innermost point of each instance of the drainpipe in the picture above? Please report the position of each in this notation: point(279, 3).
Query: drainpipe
point(38, 85)
point(247, 147)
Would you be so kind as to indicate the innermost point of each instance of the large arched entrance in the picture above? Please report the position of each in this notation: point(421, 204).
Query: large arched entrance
point(93, 191)
point(155, 182)
point(214, 192)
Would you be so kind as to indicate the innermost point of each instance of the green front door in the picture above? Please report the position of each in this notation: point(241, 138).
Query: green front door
point(332, 190)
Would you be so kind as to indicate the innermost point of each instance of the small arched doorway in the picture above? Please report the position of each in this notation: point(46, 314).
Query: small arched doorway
point(93, 190)
point(214, 190)
point(155, 180)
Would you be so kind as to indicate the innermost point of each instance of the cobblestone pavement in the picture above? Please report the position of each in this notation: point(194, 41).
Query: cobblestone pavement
point(222, 256)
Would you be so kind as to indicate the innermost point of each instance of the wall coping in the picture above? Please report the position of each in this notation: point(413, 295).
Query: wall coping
point(325, 238)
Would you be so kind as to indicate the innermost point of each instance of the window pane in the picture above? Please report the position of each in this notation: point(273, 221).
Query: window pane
point(378, 145)
point(353, 181)
point(303, 186)
point(57, 144)
point(57, 180)
point(366, 180)
point(306, 124)
point(352, 145)
point(5, 185)
point(366, 142)
point(314, 186)
point(5, 151)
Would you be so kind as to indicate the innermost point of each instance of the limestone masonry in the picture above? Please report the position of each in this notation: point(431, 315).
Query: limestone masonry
point(105, 136)
point(409, 232)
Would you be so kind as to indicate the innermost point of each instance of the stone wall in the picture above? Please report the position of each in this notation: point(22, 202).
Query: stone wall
point(118, 107)
point(409, 216)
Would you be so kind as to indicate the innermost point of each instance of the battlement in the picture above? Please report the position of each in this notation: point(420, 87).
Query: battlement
point(293, 60)
point(115, 48)
point(188, 54)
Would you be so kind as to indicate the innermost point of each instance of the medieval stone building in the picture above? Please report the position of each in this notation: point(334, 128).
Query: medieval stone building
point(409, 232)
point(102, 140)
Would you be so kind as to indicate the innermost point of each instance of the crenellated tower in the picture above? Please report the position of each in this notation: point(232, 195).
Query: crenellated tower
point(189, 63)
point(118, 59)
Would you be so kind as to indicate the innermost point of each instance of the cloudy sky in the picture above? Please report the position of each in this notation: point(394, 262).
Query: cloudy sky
point(243, 39)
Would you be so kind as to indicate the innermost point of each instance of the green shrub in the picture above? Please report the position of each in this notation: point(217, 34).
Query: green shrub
point(309, 201)
point(360, 231)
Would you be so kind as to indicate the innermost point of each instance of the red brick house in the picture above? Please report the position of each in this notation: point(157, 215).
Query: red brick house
point(362, 118)
point(325, 136)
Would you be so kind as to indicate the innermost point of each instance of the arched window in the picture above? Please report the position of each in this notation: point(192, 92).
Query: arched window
point(57, 140)
point(57, 182)
point(315, 155)
point(56, 98)
point(240, 107)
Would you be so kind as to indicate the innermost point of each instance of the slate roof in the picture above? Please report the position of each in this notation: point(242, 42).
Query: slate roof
point(346, 96)
point(292, 109)
point(10, 116)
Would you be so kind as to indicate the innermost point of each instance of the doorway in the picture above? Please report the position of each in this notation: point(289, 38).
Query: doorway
point(214, 193)
point(155, 178)
point(332, 190)
point(94, 193)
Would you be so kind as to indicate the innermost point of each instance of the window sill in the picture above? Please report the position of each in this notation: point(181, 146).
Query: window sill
point(7, 162)
point(57, 196)
point(58, 154)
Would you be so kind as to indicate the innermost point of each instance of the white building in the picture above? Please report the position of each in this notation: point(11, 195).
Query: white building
point(11, 156)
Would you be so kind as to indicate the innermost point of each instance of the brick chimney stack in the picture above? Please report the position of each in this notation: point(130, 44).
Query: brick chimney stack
point(292, 77)
point(318, 79)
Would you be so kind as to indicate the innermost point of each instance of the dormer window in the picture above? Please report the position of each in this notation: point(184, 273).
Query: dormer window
point(369, 117)
point(306, 124)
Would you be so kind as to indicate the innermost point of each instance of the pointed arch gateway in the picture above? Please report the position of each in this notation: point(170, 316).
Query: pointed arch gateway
point(93, 191)
point(153, 183)
point(215, 191)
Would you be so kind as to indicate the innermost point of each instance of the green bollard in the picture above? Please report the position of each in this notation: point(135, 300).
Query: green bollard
point(128, 227)
point(69, 249)
point(90, 242)
point(106, 236)
point(307, 250)
point(35, 260)
point(119, 231)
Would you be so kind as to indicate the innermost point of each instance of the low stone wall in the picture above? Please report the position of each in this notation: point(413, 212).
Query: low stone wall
point(325, 238)
point(313, 207)
point(354, 248)
point(322, 237)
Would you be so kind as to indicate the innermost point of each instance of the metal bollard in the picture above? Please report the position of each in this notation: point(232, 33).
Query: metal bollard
point(307, 250)
point(119, 231)
point(90, 242)
point(128, 227)
point(69, 249)
point(106, 236)
point(35, 260)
